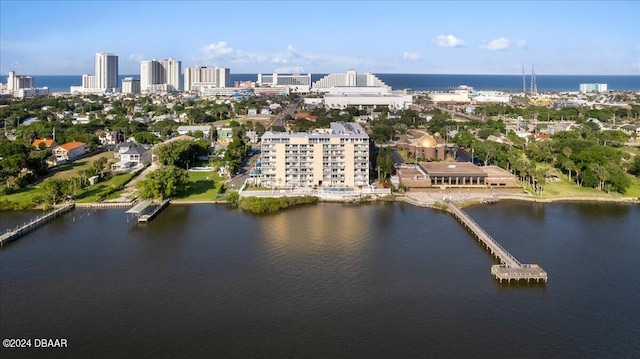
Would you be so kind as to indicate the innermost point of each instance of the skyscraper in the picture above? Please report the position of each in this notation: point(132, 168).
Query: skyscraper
point(105, 78)
point(160, 76)
point(106, 70)
point(206, 77)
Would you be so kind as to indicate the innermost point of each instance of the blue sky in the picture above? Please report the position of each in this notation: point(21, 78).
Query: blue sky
point(431, 37)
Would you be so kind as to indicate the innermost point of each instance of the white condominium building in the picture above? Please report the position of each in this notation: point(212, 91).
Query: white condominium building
point(206, 77)
point(585, 88)
point(160, 76)
point(105, 78)
point(297, 83)
point(17, 82)
point(350, 79)
point(106, 66)
point(338, 157)
point(130, 85)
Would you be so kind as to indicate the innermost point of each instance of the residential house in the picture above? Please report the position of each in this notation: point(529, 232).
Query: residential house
point(131, 155)
point(50, 143)
point(206, 130)
point(69, 151)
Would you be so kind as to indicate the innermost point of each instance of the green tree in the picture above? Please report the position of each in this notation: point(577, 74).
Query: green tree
point(99, 165)
point(163, 183)
point(55, 189)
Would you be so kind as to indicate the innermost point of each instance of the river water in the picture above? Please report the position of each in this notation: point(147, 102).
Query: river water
point(379, 280)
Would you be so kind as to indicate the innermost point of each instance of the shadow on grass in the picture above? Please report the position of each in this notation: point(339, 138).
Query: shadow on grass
point(200, 189)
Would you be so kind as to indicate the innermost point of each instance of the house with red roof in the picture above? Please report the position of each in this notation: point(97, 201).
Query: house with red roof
point(69, 151)
point(50, 143)
point(306, 116)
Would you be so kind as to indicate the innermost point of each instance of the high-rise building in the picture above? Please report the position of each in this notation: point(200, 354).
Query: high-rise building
point(106, 70)
point(350, 79)
point(297, 83)
point(584, 88)
point(105, 78)
point(201, 77)
point(22, 86)
point(17, 82)
point(337, 158)
point(160, 76)
point(130, 85)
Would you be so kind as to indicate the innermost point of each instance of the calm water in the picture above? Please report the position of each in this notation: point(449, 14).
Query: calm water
point(423, 82)
point(382, 280)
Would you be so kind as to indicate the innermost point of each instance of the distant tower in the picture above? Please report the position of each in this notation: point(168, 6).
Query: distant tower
point(534, 87)
point(524, 82)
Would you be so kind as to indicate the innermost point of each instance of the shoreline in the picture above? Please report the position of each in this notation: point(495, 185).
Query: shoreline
point(412, 198)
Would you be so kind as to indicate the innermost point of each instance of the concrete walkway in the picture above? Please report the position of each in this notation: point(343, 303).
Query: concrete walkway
point(130, 188)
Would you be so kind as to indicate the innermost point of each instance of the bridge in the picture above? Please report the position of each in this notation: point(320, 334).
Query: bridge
point(511, 268)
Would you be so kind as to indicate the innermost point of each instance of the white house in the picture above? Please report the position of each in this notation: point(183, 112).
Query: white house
point(206, 130)
point(69, 151)
point(131, 155)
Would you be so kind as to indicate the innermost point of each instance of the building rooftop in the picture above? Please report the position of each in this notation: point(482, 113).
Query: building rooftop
point(452, 168)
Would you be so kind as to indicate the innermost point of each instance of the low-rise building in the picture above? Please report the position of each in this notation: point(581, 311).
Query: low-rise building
point(69, 151)
point(48, 143)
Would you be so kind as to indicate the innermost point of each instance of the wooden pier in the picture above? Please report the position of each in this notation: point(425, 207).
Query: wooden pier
point(511, 268)
point(12, 235)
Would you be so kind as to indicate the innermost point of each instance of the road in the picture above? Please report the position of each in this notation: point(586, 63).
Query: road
point(290, 110)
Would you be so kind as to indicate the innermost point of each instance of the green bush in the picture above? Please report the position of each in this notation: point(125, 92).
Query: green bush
point(263, 205)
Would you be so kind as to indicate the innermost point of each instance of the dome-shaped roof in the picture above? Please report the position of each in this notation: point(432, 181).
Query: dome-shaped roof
point(426, 141)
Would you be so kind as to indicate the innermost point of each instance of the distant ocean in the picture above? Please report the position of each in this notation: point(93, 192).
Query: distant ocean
point(423, 82)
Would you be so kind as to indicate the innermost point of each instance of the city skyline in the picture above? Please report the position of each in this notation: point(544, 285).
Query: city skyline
point(430, 37)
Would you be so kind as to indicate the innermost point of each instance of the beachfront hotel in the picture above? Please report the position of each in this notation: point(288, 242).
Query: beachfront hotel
point(336, 157)
point(358, 90)
point(296, 83)
point(160, 76)
point(105, 78)
point(197, 78)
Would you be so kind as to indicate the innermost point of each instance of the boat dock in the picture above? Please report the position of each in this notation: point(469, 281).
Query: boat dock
point(146, 210)
point(511, 268)
point(12, 235)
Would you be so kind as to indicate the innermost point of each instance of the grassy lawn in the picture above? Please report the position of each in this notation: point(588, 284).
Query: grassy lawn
point(570, 189)
point(93, 193)
point(203, 186)
point(72, 169)
point(634, 190)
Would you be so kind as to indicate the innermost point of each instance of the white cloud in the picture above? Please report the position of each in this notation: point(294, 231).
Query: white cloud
point(279, 61)
point(412, 56)
point(217, 50)
point(496, 44)
point(522, 44)
point(136, 57)
point(289, 70)
point(291, 49)
point(448, 41)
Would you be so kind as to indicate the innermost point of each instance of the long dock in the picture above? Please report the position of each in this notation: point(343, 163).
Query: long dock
point(511, 268)
point(12, 235)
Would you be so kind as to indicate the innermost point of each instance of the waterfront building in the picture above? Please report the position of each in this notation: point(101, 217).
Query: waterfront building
point(105, 78)
point(296, 83)
point(337, 157)
point(197, 78)
point(160, 76)
point(22, 86)
point(359, 90)
point(349, 79)
point(586, 88)
point(131, 85)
